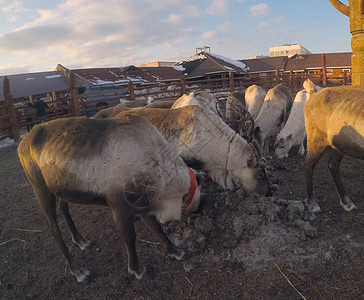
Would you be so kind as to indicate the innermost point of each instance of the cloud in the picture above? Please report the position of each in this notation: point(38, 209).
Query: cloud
point(33, 38)
point(102, 22)
point(208, 35)
point(221, 34)
point(262, 24)
point(175, 19)
point(89, 33)
point(173, 44)
point(259, 9)
point(218, 7)
point(279, 19)
point(224, 27)
point(12, 9)
point(187, 15)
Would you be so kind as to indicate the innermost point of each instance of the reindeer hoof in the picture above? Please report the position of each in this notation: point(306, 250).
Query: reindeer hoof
point(83, 244)
point(313, 207)
point(349, 206)
point(175, 252)
point(82, 275)
point(138, 272)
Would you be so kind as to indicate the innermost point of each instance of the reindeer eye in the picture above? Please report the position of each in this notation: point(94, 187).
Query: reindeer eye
point(281, 146)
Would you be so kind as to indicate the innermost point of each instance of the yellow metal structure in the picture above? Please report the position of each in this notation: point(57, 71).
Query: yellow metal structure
point(355, 13)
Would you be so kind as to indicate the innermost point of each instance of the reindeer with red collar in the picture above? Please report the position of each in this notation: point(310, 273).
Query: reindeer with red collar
point(125, 164)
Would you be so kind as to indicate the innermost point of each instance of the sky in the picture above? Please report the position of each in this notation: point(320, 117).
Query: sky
point(36, 35)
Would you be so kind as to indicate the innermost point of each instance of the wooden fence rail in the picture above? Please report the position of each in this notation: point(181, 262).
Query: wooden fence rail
point(13, 119)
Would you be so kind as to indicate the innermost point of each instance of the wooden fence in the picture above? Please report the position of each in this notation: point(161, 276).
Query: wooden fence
point(14, 120)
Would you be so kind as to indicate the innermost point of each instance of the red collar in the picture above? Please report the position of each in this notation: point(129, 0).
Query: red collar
point(191, 191)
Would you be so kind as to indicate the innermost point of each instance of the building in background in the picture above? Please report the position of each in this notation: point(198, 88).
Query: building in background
point(288, 50)
point(46, 85)
point(206, 65)
point(158, 64)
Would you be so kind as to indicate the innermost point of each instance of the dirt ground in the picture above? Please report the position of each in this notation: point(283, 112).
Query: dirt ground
point(238, 246)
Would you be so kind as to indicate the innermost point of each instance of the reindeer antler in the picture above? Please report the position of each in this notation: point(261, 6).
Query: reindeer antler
point(219, 111)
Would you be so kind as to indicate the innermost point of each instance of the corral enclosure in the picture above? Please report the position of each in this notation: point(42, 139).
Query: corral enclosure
point(13, 117)
point(237, 245)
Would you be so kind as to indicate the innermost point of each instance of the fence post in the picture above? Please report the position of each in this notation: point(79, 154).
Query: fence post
point(183, 85)
point(231, 82)
point(74, 102)
point(276, 74)
point(9, 101)
point(14, 129)
point(131, 90)
point(6, 87)
point(324, 75)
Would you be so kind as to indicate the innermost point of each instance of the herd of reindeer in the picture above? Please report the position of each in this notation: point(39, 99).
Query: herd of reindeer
point(150, 161)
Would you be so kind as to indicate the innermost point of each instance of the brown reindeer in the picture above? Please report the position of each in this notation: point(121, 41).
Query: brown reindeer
point(125, 164)
point(334, 120)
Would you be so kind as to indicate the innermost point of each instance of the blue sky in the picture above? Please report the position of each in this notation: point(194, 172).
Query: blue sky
point(36, 35)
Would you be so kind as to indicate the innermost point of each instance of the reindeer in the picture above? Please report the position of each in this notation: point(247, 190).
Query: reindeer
point(227, 106)
point(201, 137)
point(334, 120)
point(123, 163)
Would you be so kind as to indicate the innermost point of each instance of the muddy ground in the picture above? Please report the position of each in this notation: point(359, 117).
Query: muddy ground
point(237, 246)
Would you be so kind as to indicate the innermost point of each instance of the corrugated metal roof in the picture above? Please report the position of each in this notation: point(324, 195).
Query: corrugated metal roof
point(115, 75)
point(298, 62)
point(265, 64)
point(128, 73)
point(163, 73)
point(207, 63)
point(314, 61)
point(23, 85)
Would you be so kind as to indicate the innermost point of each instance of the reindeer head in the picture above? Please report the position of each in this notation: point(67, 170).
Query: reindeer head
point(282, 146)
point(258, 162)
point(249, 169)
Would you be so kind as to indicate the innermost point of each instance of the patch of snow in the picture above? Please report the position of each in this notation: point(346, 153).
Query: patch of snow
point(9, 142)
point(30, 78)
point(101, 82)
point(193, 58)
point(228, 68)
point(233, 62)
point(53, 76)
point(179, 68)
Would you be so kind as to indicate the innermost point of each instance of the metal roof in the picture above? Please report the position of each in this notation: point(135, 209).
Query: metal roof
point(163, 73)
point(314, 61)
point(207, 63)
point(298, 62)
point(128, 73)
point(23, 85)
point(266, 64)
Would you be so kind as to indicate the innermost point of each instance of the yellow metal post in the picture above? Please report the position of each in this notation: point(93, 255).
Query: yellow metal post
point(355, 13)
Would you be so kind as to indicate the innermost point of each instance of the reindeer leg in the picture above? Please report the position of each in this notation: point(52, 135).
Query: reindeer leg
point(124, 219)
point(47, 203)
point(155, 226)
point(301, 150)
point(334, 167)
point(77, 238)
point(313, 156)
